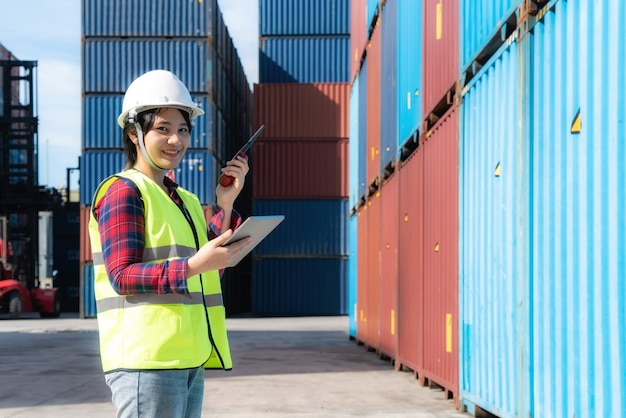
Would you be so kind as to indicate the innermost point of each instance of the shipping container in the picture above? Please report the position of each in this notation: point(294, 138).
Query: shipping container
point(354, 146)
point(371, 15)
point(362, 150)
point(389, 86)
point(65, 255)
point(300, 169)
point(299, 286)
point(358, 35)
point(441, 56)
point(312, 228)
point(88, 308)
point(353, 274)
point(372, 114)
point(409, 69)
point(85, 255)
point(302, 110)
point(490, 335)
point(484, 25)
point(388, 286)
point(577, 61)
point(162, 18)
point(197, 172)
point(440, 297)
point(304, 59)
point(363, 272)
point(411, 264)
point(304, 17)
point(103, 58)
point(101, 131)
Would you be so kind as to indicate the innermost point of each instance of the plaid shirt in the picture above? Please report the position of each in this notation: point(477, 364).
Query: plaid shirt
point(122, 227)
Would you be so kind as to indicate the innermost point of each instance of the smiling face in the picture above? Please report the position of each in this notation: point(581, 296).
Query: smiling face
point(166, 143)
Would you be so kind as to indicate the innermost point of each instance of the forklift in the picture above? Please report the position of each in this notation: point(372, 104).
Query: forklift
point(26, 275)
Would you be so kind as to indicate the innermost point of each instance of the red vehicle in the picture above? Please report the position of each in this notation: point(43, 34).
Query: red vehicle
point(16, 297)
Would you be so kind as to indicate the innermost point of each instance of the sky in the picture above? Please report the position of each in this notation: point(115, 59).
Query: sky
point(49, 32)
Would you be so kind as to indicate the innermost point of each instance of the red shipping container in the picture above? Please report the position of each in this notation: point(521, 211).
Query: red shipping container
point(441, 311)
point(302, 110)
point(372, 122)
point(389, 230)
point(302, 169)
point(358, 35)
point(363, 233)
point(373, 271)
point(411, 264)
point(84, 249)
point(441, 52)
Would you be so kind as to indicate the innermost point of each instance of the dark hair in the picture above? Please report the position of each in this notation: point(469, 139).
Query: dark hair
point(146, 121)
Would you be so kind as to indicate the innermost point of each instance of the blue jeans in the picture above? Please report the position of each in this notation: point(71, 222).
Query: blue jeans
point(157, 393)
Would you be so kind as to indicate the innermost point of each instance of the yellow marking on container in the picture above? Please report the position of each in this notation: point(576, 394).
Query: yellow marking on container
point(498, 170)
point(377, 194)
point(361, 315)
point(356, 54)
point(437, 247)
point(393, 322)
point(406, 218)
point(387, 245)
point(439, 21)
point(576, 123)
point(448, 333)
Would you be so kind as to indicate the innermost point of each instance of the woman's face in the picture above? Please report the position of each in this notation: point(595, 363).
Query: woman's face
point(166, 142)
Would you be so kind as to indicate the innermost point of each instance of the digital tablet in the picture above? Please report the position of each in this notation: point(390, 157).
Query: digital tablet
point(256, 227)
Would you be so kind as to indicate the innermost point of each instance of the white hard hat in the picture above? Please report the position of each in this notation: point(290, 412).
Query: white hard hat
point(156, 89)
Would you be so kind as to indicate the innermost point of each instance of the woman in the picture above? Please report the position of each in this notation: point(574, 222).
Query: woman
point(157, 269)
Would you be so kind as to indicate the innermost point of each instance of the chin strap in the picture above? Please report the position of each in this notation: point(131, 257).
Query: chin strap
point(131, 119)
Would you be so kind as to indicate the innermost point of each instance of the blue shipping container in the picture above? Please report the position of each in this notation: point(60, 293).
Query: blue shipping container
point(87, 301)
point(579, 209)
point(362, 141)
point(389, 85)
point(354, 144)
point(409, 69)
point(304, 59)
point(489, 242)
point(304, 17)
point(160, 18)
point(101, 131)
point(312, 228)
point(353, 274)
point(299, 286)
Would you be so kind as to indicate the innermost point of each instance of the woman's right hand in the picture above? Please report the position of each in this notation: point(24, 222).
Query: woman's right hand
point(214, 256)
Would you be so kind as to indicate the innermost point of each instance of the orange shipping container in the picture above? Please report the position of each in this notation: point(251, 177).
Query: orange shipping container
point(311, 169)
point(302, 110)
point(358, 35)
point(411, 264)
point(440, 298)
point(389, 265)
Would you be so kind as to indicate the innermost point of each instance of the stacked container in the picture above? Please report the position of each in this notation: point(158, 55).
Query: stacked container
point(300, 163)
point(121, 41)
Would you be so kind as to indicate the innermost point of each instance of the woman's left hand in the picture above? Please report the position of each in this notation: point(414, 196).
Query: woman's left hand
point(236, 168)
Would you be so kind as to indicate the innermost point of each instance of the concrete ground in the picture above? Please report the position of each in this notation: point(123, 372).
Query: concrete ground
point(283, 367)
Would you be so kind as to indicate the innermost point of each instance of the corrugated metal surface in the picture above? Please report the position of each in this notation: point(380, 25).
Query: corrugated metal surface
point(373, 107)
point(304, 17)
point(372, 12)
point(411, 263)
point(300, 169)
point(306, 59)
point(389, 84)
point(353, 274)
point(148, 18)
point(100, 128)
point(87, 303)
point(480, 20)
point(196, 173)
point(102, 60)
point(358, 35)
point(389, 240)
point(372, 311)
point(311, 228)
point(579, 210)
point(308, 110)
point(441, 313)
point(299, 286)
point(409, 68)
point(441, 50)
point(363, 233)
point(354, 145)
point(489, 237)
point(362, 152)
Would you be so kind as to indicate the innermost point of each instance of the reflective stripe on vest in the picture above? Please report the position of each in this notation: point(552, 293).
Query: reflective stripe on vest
point(167, 331)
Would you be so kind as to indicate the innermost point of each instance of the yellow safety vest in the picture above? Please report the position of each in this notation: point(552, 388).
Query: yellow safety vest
point(168, 331)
